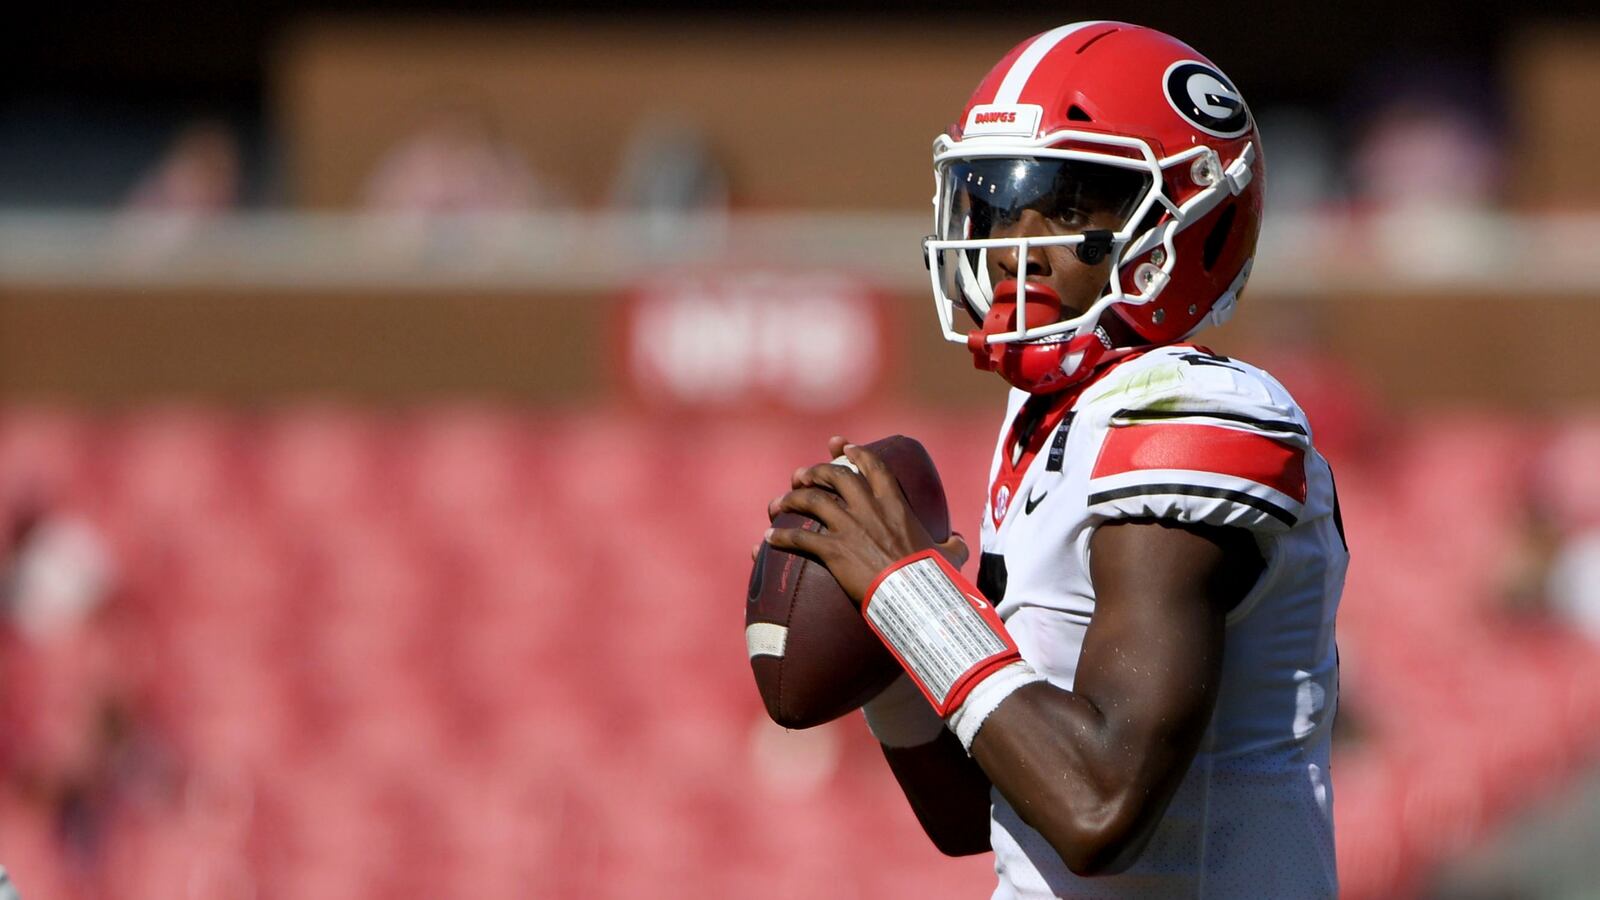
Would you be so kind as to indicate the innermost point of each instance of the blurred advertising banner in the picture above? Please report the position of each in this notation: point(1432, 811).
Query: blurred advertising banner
point(754, 340)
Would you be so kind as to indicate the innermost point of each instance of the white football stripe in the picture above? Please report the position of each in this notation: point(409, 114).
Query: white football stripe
point(1021, 70)
point(1198, 478)
point(766, 639)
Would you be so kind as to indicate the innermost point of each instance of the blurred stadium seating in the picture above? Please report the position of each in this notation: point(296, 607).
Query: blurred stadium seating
point(452, 651)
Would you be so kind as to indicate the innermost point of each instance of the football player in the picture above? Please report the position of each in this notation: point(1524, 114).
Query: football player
point(1135, 698)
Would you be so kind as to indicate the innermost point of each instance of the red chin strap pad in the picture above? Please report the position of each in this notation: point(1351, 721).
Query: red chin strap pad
point(1033, 367)
point(1043, 307)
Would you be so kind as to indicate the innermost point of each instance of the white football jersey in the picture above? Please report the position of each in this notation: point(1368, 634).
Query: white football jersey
point(1182, 434)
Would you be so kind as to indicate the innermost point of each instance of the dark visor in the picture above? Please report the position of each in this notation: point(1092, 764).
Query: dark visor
point(983, 195)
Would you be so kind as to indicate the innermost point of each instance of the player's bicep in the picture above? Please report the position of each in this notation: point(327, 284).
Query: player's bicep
point(1152, 656)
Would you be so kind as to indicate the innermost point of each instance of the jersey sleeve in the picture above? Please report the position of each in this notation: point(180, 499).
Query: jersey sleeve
point(1214, 442)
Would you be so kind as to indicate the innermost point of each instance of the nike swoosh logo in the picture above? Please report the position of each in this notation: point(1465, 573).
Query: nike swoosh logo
point(1032, 502)
point(977, 601)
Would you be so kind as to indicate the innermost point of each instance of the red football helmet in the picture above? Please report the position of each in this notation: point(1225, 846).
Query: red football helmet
point(1127, 120)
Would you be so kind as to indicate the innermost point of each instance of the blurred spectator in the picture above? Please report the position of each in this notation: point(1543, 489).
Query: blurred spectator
point(1300, 149)
point(669, 167)
point(1427, 172)
point(1421, 153)
point(57, 574)
point(196, 180)
point(198, 175)
point(454, 161)
point(1526, 568)
point(74, 754)
point(1554, 565)
point(434, 188)
point(669, 170)
point(1429, 139)
point(1574, 582)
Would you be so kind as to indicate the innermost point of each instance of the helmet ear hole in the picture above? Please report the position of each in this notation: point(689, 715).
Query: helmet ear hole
point(1075, 113)
point(1218, 236)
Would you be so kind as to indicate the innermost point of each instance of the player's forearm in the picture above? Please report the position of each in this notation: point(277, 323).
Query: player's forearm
point(1070, 774)
point(947, 791)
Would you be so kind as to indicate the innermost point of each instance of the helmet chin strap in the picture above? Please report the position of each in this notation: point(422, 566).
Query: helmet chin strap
point(1039, 366)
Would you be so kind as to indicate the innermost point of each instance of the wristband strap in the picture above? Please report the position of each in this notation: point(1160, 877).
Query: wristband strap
point(985, 698)
point(938, 626)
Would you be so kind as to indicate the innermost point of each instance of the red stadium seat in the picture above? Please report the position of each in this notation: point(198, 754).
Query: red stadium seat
point(499, 653)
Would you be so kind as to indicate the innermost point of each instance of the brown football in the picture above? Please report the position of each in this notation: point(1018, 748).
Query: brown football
point(813, 655)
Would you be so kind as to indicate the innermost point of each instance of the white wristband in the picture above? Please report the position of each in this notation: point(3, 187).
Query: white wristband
point(986, 696)
point(901, 716)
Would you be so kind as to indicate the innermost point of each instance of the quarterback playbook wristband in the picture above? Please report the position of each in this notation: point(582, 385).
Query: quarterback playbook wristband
point(939, 627)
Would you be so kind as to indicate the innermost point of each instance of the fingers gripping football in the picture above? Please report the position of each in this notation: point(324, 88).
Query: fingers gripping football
point(813, 502)
point(869, 524)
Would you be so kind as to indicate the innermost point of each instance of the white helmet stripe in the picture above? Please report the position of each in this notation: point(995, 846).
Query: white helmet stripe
point(1011, 86)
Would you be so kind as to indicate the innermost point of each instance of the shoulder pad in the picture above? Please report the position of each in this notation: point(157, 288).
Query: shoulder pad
point(1183, 384)
point(1199, 438)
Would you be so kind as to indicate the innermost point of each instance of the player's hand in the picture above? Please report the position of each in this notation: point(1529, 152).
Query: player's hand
point(953, 548)
point(870, 526)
